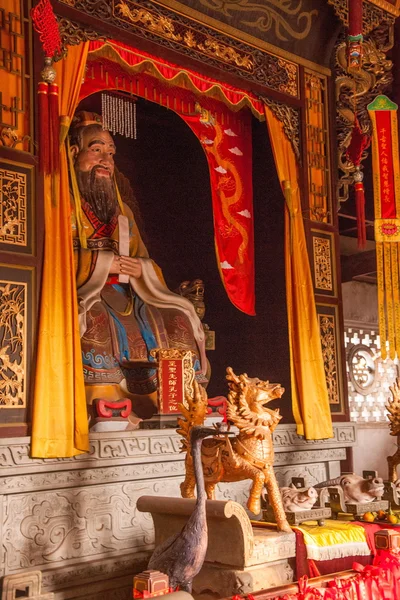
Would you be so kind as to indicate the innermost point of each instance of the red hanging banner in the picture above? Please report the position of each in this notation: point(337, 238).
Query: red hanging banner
point(386, 179)
point(229, 153)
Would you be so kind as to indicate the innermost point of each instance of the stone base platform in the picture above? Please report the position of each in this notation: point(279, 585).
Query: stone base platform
point(276, 551)
point(240, 558)
point(76, 519)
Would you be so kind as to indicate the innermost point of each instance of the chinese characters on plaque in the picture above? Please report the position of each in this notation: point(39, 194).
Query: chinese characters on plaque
point(175, 375)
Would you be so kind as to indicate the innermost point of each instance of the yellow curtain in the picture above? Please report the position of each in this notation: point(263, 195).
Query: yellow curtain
point(60, 426)
point(309, 391)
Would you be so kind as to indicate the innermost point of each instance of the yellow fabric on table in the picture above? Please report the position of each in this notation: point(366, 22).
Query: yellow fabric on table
point(335, 539)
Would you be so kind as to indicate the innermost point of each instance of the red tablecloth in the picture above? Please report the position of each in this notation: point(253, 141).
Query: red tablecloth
point(371, 529)
point(315, 568)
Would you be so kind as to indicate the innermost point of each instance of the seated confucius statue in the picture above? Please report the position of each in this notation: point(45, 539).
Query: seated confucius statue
point(120, 322)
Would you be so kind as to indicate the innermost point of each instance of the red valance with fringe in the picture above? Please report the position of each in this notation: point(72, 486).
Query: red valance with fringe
point(134, 61)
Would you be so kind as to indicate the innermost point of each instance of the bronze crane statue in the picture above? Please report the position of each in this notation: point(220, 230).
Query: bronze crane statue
point(181, 556)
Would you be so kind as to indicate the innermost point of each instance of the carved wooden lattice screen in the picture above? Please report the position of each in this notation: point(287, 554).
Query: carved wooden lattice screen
point(317, 146)
point(368, 376)
point(15, 40)
point(18, 260)
point(322, 234)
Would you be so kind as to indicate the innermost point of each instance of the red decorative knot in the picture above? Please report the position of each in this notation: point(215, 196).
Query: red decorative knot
point(45, 24)
point(358, 143)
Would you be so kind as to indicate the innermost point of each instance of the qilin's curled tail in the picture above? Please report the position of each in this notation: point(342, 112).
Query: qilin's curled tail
point(194, 411)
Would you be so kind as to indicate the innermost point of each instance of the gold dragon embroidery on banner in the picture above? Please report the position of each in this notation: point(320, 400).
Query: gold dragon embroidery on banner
point(12, 344)
point(269, 14)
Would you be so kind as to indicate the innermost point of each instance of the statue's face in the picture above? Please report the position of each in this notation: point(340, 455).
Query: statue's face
point(94, 167)
point(97, 153)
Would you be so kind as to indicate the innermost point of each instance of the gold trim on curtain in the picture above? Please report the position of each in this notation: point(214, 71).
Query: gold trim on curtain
point(309, 391)
point(60, 424)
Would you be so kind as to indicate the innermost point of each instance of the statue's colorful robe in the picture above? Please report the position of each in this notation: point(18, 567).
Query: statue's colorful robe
point(121, 323)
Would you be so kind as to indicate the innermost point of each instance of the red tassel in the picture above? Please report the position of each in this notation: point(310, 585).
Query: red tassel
point(360, 213)
point(312, 567)
point(54, 125)
point(44, 142)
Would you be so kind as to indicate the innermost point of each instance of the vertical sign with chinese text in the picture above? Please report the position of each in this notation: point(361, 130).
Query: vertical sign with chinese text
point(171, 383)
point(386, 180)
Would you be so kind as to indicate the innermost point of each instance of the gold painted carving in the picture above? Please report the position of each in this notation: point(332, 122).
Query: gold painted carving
point(322, 263)
point(12, 344)
point(248, 455)
point(329, 353)
point(393, 407)
point(73, 34)
point(226, 53)
point(282, 15)
point(290, 87)
point(165, 27)
point(198, 41)
point(317, 146)
point(12, 208)
point(290, 119)
point(354, 91)
point(387, 6)
point(157, 23)
point(221, 51)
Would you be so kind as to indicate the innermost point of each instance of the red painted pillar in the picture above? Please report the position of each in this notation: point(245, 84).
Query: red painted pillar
point(355, 17)
point(354, 37)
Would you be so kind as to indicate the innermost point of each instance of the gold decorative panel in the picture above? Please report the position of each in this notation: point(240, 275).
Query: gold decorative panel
point(15, 77)
point(189, 36)
point(328, 340)
point(13, 207)
point(331, 343)
point(13, 344)
point(322, 263)
point(317, 146)
point(17, 218)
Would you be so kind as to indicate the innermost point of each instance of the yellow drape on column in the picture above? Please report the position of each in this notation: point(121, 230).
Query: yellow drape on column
point(309, 391)
point(60, 426)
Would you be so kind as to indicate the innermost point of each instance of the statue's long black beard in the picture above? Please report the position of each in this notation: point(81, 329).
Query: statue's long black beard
point(99, 193)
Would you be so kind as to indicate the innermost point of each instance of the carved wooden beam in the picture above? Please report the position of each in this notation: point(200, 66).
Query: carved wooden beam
point(290, 117)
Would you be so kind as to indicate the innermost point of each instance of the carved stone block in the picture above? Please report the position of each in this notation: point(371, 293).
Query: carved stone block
point(26, 585)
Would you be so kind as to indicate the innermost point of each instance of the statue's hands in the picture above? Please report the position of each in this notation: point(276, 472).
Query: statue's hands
point(127, 266)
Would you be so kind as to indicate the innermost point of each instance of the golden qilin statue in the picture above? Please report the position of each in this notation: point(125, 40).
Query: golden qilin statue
point(393, 407)
point(249, 454)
